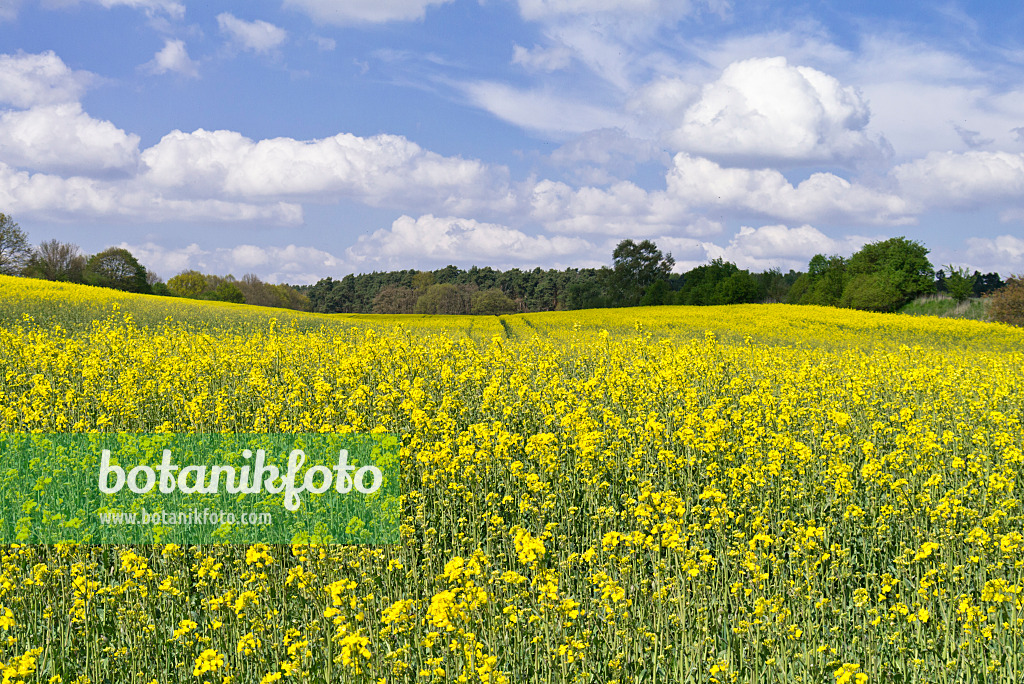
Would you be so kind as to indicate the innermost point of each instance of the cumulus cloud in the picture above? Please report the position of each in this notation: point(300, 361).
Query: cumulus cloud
point(352, 12)
point(699, 182)
point(166, 262)
point(382, 170)
point(63, 138)
point(450, 239)
point(766, 109)
point(782, 247)
point(696, 186)
point(1003, 254)
point(962, 180)
point(27, 80)
point(604, 156)
point(624, 208)
point(54, 197)
point(257, 36)
point(292, 264)
point(172, 57)
point(662, 102)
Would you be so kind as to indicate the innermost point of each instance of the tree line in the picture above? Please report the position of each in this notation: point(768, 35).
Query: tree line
point(117, 268)
point(882, 276)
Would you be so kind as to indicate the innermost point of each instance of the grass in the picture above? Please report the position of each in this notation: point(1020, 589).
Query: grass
point(943, 306)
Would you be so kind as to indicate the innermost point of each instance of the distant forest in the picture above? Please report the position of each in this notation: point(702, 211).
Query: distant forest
point(882, 276)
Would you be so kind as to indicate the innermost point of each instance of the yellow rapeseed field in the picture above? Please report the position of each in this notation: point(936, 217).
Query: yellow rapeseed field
point(757, 493)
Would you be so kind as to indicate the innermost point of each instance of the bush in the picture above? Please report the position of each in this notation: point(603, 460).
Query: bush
point(959, 283)
point(442, 299)
point(871, 292)
point(492, 302)
point(226, 291)
point(1008, 302)
point(904, 270)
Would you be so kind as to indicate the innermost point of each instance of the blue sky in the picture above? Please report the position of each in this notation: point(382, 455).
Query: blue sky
point(298, 139)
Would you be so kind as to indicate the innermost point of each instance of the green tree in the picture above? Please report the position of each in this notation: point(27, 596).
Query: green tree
point(444, 298)
point(422, 280)
point(959, 283)
point(902, 268)
point(15, 251)
point(226, 291)
point(492, 302)
point(826, 280)
point(739, 288)
point(588, 290)
point(189, 284)
point(799, 289)
point(394, 299)
point(772, 285)
point(870, 292)
point(718, 282)
point(635, 267)
point(115, 267)
point(657, 294)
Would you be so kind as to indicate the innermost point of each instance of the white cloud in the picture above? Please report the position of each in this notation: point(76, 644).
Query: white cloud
point(962, 180)
point(652, 10)
point(1003, 254)
point(9, 9)
point(623, 209)
point(540, 110)
point(170, 8)
point(165, 262)
point(759, 249)
point(540, 58)
point(292, 264)
point(700, 182)
point(324, 44)
point(172, 57)
point(766, 109)
point(662, 102)
point(382, 170)
point(450, 239)
point(54, 197)
point(349, 12)
point(803, 42)
point(257, 36)
point(63, 138)
point(27, 80)
point(921, 95)
point(604, 155)
point(695, 187)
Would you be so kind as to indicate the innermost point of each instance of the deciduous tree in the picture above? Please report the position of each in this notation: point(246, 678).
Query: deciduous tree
point(53, 260)
point(15, 251)
point(115, 267)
